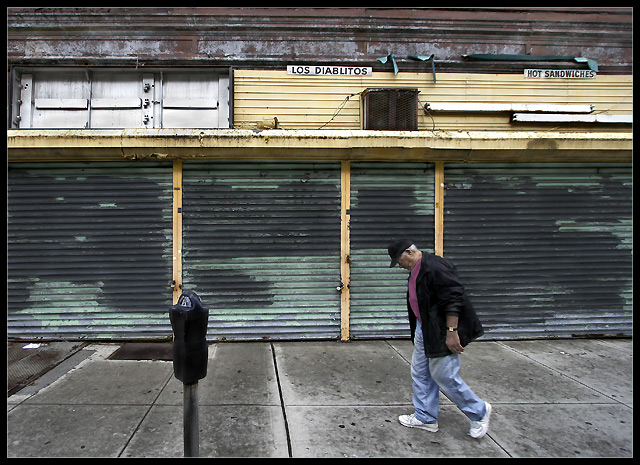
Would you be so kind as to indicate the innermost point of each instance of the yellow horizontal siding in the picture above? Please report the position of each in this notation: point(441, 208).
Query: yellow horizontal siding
point(309, 102)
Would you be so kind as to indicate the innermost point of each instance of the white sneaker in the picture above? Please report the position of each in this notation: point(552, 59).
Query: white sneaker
point(480, 428)
point(411, 421)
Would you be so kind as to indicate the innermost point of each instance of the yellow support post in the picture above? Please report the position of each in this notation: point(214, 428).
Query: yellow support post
point(345, 249)
point(439, 209)
point(177, 230)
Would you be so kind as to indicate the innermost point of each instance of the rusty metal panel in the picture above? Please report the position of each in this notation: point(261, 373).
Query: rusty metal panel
point(261, 247)
point(544, 250)
point(271, 37)
point(389, 201)
point(89, 250)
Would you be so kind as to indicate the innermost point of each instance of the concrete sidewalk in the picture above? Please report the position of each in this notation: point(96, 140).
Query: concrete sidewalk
point(555, 398)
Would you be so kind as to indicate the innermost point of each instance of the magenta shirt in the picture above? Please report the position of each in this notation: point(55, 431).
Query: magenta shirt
point(413, 298)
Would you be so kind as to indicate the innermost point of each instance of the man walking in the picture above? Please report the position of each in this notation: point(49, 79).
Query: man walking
point(442, 322)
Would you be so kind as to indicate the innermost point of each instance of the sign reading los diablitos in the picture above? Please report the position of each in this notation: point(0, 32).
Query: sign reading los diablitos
point(322, 70)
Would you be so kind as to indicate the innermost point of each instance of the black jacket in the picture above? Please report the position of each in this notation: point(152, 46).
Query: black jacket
point(439, 294)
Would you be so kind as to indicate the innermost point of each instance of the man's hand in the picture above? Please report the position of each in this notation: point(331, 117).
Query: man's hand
point(453, 342)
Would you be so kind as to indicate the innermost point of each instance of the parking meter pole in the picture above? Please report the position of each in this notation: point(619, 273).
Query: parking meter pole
point(191, 431)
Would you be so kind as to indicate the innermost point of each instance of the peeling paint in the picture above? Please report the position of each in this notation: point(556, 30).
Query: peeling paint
point(228, 36)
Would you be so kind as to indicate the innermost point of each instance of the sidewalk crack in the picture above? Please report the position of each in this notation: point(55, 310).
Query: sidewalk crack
point(284, 410)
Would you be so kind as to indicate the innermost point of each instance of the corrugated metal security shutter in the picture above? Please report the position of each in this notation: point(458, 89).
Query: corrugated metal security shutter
point(388, 201)
point(543, 249)
point(261, 247)
point(89, 250)
point(120, 98)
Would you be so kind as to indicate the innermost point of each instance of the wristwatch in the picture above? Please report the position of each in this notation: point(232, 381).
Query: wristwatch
point(452, 329)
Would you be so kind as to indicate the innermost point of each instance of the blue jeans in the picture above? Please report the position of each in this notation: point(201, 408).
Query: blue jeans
point(430, 375)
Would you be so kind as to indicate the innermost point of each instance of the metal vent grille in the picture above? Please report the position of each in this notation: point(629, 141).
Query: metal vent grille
point(391, 109)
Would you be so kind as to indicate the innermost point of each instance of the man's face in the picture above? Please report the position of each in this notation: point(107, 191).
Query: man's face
point(406, 260)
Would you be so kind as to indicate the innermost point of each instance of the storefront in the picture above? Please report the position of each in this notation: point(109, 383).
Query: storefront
point(268, 168)
point(297, 249)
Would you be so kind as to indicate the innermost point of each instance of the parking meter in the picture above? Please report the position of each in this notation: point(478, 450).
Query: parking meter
point(189, 321)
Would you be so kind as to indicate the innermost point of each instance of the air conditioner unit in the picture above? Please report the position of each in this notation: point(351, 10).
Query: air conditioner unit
point(390, 109)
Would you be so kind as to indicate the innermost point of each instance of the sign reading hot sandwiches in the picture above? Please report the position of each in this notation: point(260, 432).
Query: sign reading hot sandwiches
point(560, 73)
